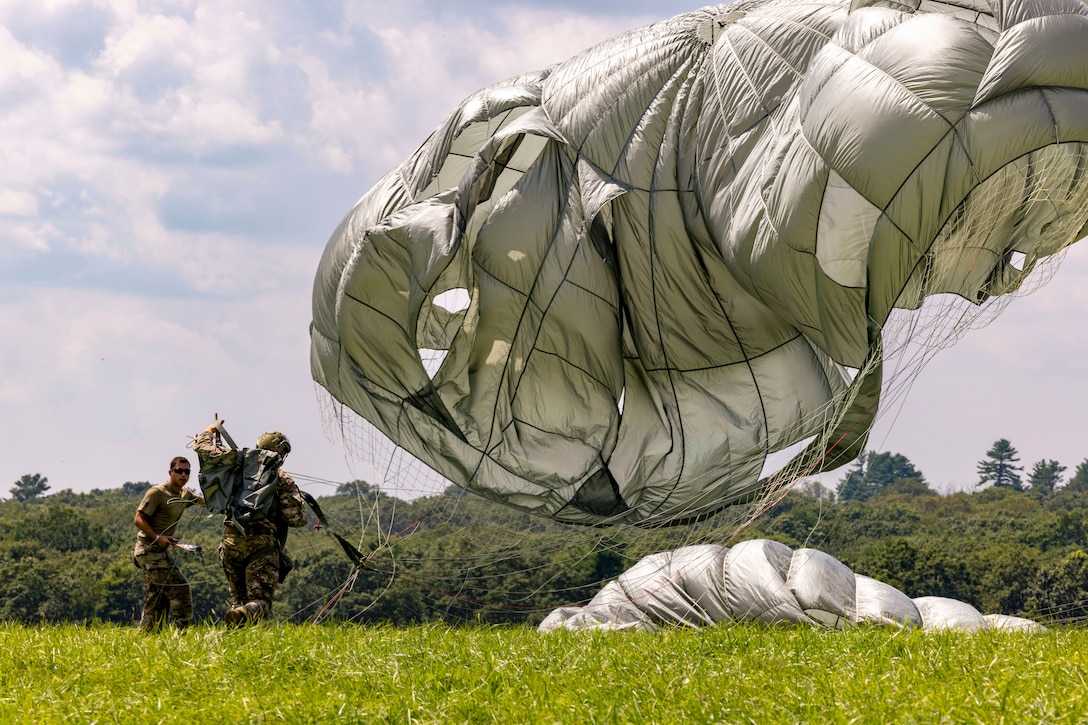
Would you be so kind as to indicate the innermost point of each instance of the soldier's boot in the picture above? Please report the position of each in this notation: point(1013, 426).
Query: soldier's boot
point(236, 616)
point(257, 609)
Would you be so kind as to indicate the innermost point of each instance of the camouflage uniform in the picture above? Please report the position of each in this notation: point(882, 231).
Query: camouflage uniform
point(167, 589)
point(253, 561)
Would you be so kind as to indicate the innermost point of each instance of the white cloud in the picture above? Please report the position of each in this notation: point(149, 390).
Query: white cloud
point(189, 84)
point(432, 63)
point(17, 203)
point(22, 68)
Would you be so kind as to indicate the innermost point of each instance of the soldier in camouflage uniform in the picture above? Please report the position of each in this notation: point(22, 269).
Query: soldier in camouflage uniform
point(254, 562)
point(157, 517)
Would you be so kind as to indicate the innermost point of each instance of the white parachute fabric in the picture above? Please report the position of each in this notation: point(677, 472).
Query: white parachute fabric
point(679, 249)
point(767, 582)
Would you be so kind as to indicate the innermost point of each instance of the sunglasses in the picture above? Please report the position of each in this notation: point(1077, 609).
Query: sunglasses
point(182, 471)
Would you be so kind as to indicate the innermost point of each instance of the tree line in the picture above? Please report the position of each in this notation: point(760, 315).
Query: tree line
point(1015, 545)
point(1000, 468)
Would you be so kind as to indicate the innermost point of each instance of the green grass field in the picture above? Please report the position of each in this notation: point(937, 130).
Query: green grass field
point(438, 674)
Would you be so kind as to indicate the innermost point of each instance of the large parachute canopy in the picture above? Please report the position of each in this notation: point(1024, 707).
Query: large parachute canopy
point(676, 253)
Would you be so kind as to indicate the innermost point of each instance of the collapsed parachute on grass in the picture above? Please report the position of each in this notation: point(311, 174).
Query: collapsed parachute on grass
point(678, 250)
point(766, 582)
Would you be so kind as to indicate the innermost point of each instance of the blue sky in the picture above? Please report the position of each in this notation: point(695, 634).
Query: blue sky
point(171, 170)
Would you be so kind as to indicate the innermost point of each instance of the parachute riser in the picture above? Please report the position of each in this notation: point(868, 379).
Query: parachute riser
point(221, 430)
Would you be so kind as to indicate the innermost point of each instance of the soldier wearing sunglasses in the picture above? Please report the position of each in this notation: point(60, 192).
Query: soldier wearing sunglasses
point(157, 516)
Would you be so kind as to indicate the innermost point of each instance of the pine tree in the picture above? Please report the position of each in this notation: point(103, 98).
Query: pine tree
point(999, 467)
point(874, 472)
point(852, 486)
point(1079, 480)
point(1045, 477)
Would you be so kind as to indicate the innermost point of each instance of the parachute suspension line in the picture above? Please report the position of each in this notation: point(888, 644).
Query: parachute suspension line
point(473, 600)
point(361, 561)
point(401, 468)
point(188, 546)
point(357, 558)
point(945, 318)
point(350, 551)
point(364, 561)
point(363, 442)
point(333, 417)
point(1072, 612)
point(782, 482)
point(347, 586)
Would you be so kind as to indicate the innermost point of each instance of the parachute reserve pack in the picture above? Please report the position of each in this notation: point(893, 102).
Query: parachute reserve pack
point(241, 483)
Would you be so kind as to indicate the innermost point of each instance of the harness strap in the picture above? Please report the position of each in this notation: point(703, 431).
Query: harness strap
point(350, 551)
point(260, 554)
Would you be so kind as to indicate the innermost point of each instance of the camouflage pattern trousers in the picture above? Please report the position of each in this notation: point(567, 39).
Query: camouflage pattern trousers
point(252, 567)
point(168, 593)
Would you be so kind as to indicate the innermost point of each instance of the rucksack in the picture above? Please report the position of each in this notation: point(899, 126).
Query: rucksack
point(241, 484)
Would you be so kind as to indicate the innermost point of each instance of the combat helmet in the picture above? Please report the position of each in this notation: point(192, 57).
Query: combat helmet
point(273, 440)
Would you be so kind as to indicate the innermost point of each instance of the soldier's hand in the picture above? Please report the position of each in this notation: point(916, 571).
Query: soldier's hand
point(214, 426)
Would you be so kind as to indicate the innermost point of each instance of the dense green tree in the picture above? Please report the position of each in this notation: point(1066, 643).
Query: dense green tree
point(814, 489)
point(873, 472)
point(361, 489)
point(135, 489)
point(1045, 477)
point(67, 556)
point(30, 487)
point(607, 564)
point(1060, 593)
point(120, 595)
point(1054, 530)
point(908, 487)
point(1002, 577)
point(1079, 480)
point(999, 467)
point(917, 567)
point(27, 587)
point(886, 469)
point(62, 528)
